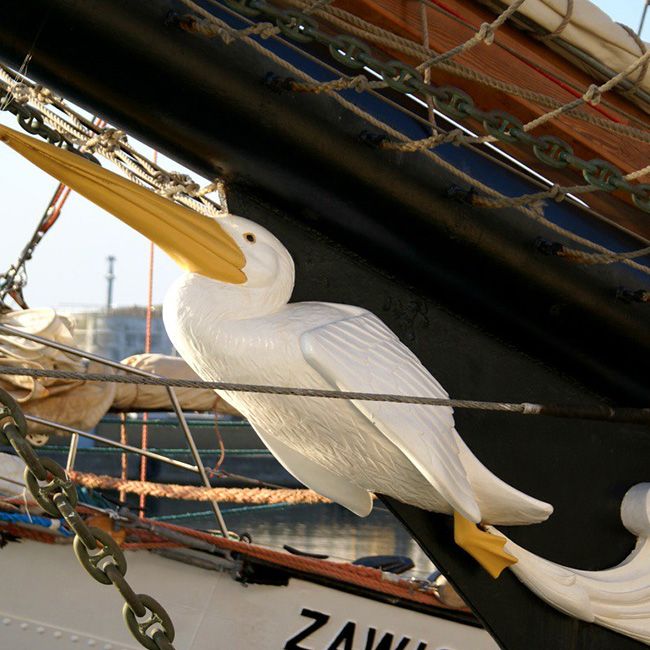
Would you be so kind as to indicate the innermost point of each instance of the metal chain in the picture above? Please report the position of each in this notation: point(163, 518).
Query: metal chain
point(67, 129)
point(453, 102)
point(31, 120)
point(96, 550)
point(33, 105)
point(381, 37)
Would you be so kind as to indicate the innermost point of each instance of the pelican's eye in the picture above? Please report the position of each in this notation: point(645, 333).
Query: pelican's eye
point(249, 236)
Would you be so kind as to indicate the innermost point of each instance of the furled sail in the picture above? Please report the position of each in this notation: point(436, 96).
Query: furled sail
point(134, 397)
point(82, 404)
point(76, 403)
point(583, 25)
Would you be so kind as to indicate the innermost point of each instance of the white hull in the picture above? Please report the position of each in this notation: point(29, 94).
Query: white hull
point(48, 601)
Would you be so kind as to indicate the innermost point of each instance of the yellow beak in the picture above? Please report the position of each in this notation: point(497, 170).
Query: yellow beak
point(195, 242)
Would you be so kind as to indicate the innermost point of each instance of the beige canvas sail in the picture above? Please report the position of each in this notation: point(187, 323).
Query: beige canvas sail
point(78, 403)
point(73, 402)
point(134, 397)
point(591, 30)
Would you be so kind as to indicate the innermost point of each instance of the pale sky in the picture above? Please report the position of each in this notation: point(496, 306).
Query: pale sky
point(69, 267)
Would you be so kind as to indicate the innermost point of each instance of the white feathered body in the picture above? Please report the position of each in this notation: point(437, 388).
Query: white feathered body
point(341, 449)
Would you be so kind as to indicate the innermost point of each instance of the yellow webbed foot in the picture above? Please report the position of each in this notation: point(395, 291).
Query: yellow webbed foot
point(485, 548)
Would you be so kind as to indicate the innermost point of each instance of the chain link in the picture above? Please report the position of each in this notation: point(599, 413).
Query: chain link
point(45, 490)
point(157, 630)
point(41, 113)
point(31, 120)
point(403, 78)
point(51, 118)
point(641, 197)
point(96, 550)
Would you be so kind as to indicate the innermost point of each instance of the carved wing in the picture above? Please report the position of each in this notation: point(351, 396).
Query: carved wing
point(360, 353)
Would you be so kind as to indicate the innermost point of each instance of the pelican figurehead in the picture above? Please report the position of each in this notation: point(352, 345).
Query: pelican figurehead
point(230, 318)
point(258, 283)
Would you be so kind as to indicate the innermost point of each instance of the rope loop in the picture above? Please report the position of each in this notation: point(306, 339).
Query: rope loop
point(209, 188)
point(485, 33)
point(455, 137)
point(263, 30)
point(21, 93)
point(106, 141)
point(360, 83)
point(410, 145)
point(43, 95)
point(172, 183)
point(557, 193)
point(193, 24)
point(593, 95)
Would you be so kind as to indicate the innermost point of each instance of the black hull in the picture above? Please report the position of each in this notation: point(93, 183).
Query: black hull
point(465, 289)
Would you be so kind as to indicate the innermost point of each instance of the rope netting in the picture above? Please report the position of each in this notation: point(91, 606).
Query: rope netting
point(532, 205)
point(99, 139)
point(485, 34)
point(112, 144)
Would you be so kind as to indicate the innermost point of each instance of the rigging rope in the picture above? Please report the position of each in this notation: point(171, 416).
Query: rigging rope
point(144, 433)
point(557, 32)
point(636, 85)
point(424, 19)
point(124, 460)
point(596, 412)
point(213, 26)
point(114, 147)
point(485, 33)
point(199, 493)
point(372, 32)
point(15, 278)
point(109, 143)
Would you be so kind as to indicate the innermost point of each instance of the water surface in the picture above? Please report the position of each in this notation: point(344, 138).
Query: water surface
point(323, 528)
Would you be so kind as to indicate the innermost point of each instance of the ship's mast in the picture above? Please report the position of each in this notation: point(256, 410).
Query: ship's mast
point(110, 279)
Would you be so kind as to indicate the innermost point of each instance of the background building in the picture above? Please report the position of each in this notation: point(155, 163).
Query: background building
point(118, 333)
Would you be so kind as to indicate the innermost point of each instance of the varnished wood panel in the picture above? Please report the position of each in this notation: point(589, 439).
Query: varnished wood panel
point(517, 64)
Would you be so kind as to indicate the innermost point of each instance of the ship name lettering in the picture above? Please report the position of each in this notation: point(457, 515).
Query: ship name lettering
point(344, 639)
point(320, 620)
